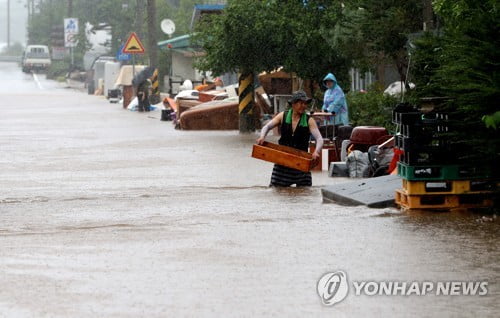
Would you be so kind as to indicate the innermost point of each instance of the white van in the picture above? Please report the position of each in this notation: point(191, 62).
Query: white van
point(35, 58)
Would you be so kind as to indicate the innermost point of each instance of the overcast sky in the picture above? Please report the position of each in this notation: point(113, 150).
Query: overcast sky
point(18, 20)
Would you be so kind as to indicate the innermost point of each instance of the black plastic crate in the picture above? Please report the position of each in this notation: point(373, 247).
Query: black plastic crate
point(430, 156)
point(404, 114)
point(423, 142)
point(425, 129)
point(400, 109)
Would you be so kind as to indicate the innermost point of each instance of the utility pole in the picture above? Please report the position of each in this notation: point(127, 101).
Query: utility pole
point(8, 23)
point(152, 38)
point(246, 93)
point(30, 4)
point(70, 15)
point(139, 18)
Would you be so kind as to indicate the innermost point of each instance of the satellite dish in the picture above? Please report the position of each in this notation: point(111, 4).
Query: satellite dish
point(167, 26)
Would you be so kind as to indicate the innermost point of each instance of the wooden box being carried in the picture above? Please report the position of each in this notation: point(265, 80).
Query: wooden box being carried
point(285, 156)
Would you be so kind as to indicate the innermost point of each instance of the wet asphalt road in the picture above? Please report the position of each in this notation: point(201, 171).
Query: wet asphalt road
point(110, 213)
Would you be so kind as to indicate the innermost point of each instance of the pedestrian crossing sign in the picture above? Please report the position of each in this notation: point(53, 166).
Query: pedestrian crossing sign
point(133, 45)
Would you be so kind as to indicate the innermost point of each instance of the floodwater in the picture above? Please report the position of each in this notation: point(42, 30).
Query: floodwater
point(110, 213)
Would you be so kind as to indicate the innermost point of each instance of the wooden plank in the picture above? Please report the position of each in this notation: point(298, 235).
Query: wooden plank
point(283, 155)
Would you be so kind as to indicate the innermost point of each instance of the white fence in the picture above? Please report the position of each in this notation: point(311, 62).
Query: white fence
point(360, 81)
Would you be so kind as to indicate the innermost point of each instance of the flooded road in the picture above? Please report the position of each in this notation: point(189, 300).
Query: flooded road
point(111, 213)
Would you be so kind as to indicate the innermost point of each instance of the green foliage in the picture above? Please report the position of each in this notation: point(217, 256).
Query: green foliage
point(469, 72)
point(183, 15)
point(425, 64)
point(372, 108)
point(57, 69)
point(119, 14)
point(264, 35)
point(241, 38)
point(492, 121)
point(376, 31)
point(14, 49)
point(310, 34)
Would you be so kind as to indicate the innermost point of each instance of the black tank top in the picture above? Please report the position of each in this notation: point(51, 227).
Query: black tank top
point(298, 139)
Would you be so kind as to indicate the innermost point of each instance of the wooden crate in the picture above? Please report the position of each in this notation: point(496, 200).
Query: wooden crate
point(285, 156)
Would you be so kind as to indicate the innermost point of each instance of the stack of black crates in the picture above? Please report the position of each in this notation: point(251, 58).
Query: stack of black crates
point(433, 176)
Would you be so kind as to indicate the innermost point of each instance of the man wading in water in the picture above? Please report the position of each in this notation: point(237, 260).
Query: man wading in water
point(296, 129)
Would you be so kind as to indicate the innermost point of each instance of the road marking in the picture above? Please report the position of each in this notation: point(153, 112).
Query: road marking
point(37, 81)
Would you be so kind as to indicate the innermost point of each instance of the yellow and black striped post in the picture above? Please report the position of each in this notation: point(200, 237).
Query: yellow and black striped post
point(246, 102)
point(155, 88)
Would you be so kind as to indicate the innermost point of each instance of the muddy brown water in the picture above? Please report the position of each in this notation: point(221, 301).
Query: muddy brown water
point(105, 212)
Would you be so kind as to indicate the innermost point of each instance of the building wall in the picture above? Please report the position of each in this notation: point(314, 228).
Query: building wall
point(182, 66)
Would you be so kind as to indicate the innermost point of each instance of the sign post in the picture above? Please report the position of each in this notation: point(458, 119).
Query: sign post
point(71, 35)
point(133, 46)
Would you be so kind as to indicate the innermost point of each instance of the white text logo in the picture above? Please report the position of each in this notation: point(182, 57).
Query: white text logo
point(333, 288)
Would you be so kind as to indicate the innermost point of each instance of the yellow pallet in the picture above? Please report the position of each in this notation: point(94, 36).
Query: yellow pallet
point(450, 186)
point(443, 201)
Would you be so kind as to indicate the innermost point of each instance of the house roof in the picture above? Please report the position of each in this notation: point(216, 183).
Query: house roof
point(201, 9)
point(179, 42)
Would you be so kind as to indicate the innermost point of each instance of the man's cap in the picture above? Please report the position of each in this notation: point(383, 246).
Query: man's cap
point(299, 95)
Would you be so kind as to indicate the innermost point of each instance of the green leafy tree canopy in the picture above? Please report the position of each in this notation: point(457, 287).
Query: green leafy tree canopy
point(265, 35)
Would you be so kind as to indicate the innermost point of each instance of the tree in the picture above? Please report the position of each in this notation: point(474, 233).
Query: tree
point(377, 32)
point(254, 36)
point(469, 73)
point(310, 31)
point(244, 39)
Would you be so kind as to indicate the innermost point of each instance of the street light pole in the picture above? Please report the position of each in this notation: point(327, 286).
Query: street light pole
point(8, 23)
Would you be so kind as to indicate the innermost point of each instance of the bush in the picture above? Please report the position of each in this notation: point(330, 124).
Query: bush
point(57, 69)
point(371, 108)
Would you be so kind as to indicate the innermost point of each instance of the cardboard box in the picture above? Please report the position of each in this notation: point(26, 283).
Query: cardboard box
point(285, 156)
